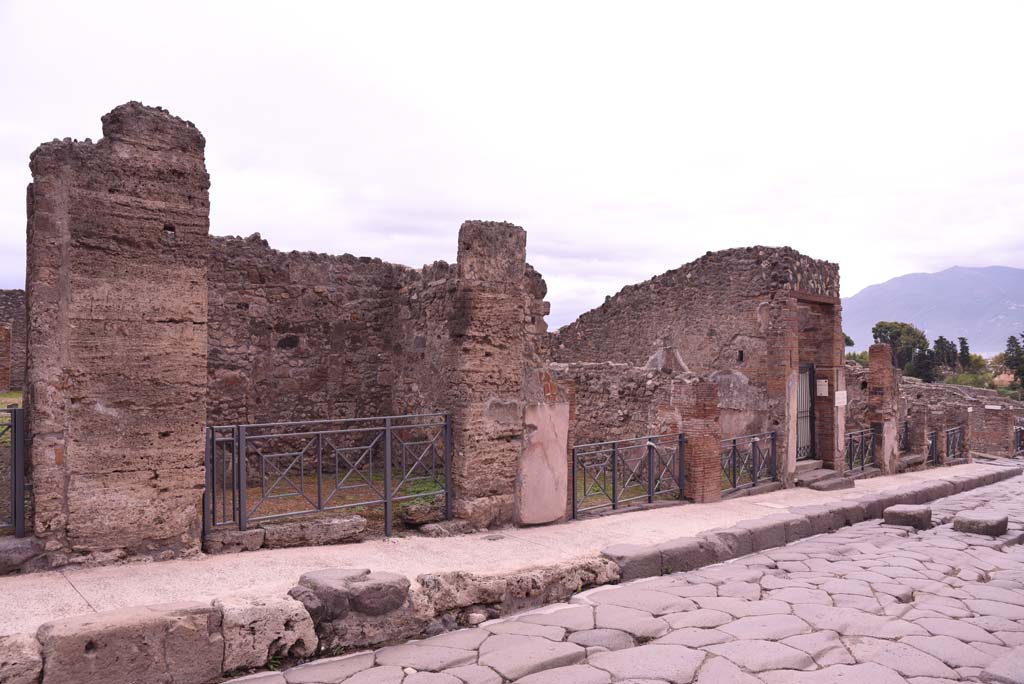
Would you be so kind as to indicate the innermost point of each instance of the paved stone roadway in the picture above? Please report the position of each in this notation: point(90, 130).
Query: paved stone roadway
point(869, 603)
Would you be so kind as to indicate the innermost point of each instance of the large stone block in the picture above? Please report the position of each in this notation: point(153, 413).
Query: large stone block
point(233, 541)
point(919, 517)
point(314, 532)
point(685, 553)
point(982, 522)
point(14, 552)
point(634, 560)
point(20, 659)
point(174, 643)
point(543, 479)
point(257, 629)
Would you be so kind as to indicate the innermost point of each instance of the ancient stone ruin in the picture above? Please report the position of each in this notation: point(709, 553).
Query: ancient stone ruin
point(144, 333)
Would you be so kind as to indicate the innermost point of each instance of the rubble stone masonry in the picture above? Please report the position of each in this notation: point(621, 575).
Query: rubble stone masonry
point(5, 358)
point(12, 314)
point(117, 310)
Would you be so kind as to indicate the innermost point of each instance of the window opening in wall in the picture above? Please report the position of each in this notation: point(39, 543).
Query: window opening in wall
point(739, 357)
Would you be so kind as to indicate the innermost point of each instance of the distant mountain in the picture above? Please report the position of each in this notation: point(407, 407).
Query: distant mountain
point(985, 305)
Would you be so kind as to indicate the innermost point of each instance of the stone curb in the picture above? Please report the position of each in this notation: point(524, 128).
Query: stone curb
point(195, 643)
point(636, 561)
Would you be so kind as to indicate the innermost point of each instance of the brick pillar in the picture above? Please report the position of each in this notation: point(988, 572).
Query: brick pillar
point(487, 359)
point(116, 292)
point(5, 358)
point(883, 405)
point(918, 443)
point(702, 464)
point(937, 424)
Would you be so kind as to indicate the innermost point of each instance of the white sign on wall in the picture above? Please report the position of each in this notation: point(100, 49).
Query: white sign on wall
point(991, 407)
point(840, 398)
point(823, 387)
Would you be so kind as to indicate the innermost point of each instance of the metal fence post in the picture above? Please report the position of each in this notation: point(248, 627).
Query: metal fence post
point(680, 455)
point(773, 464)
point(650, 471)
point(615, 477)
point(208, 493)
point(733, 456)
point(388, 495)
point(575, 493)
point(319, 471)
point(449, 489)
point(754, 453)
point(18, 442)
point(242, 484)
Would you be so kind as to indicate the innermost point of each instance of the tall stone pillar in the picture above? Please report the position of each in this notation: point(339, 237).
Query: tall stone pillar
point(117, 312)
point(883, 405)
point(488, 368)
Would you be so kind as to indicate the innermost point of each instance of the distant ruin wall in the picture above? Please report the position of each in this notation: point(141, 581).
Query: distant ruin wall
point(12, 313)
point(712, 311)
point(117, 317)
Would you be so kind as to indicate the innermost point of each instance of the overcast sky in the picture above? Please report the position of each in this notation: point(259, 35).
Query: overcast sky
point(627, 138)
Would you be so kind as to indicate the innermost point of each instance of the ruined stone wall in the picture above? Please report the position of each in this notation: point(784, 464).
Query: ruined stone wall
point(713, 312)
point(857, 396)
point(987, 416)
point(12, 314)
point(5, 357)
point(299, 335)
point(117, 317)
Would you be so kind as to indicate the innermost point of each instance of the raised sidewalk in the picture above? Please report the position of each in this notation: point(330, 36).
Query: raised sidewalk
point(36, 598)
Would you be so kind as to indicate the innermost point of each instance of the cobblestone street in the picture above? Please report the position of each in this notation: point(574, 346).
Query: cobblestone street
point(872, 603)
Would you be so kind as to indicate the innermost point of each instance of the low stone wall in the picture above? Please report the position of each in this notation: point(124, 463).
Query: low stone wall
point(5, 357)
point(333, 611)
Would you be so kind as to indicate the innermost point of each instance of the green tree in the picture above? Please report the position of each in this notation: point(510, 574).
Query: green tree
point(945, 352)
point(905, 339)
point(1014, 358)
point(922, 365)
point(849, 340)
point(965, 354)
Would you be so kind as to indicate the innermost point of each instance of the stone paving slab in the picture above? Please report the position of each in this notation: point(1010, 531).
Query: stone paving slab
point(872, 603)
point(41, 597)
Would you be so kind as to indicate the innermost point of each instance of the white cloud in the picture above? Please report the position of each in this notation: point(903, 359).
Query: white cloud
point(627, 139)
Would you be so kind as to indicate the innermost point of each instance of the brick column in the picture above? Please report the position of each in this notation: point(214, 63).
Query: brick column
point(117, 305)
point(702, 464)
point(883, 405)
point(783, 380)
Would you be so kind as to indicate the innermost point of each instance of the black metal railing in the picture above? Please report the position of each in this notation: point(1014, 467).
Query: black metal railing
point(860, 449)
point(933, 447)
point(609, 475)
point(954, 442)
point(748, 461)
point(261, 472)
point(903, 438)
point(12, 470)
point(1018, 440)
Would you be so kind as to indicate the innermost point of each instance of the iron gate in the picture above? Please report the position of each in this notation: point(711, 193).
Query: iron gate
point(608, 475)
point(1018, 440)
point(12, 469)
point(267, 471)
point(860, 449)
point(904, 437)
point(933, 447)
point(954, 442)
point(805, 442)
point(747, 461)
